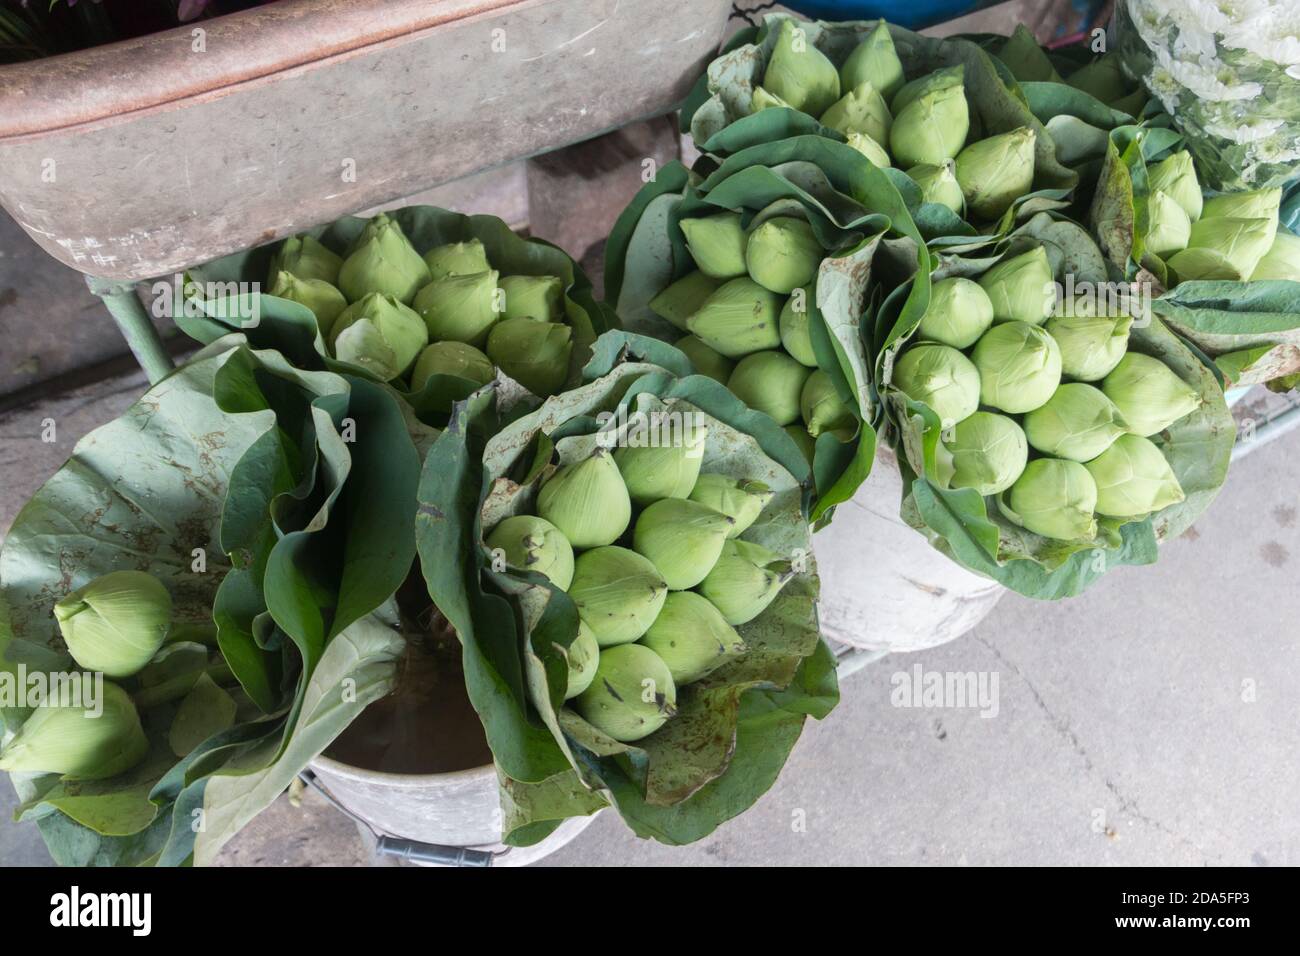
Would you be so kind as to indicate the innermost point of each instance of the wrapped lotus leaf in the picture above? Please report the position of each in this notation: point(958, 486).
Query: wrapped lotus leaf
point(861, 110)
point(457, 259)
point(1026, 59)
point(1175, 176)
point(1133, 479)
point(940, 377)
point(1091, 345)
point(958, 314)
point(939, 184)
point(717, 244)
point(1077, 423)
point(533, 297)
point(932, 128)
point(1019, 366)
point(535, 354)
point(1255, 204)
point(782, 254)
point(679, 301)
point(822, 408)
point(1169, 227)
point(873, 151)
point(874, 61)
point(1021, 289)
point(306, 258)
point(801, 437)
point(460, 308)
point(770, 382)
point(1103, 78)
point(380, 334)
point(382, 260)
point(997, 171)
point(1223, 248)
point(800, 73)
point(1282, 261)
point(325, 301)
point(739, 318)
point(939, 79)
point(1055, 498)
point(986, 452)
point(66, 739)
point(452, 358)
point(707, 361)
point(763, 100)
point(1149, 395)
point(796, 335)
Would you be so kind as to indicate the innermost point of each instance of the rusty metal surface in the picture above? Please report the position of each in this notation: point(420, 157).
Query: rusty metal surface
point(144, 157)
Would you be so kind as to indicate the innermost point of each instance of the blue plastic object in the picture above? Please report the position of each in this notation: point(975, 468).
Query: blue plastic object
point(912, 14)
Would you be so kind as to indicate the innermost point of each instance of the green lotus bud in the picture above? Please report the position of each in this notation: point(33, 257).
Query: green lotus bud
point(533, 297)
point(764, 100)
point(874, 61)
point(1148, 394)
point(457, 259)
point(717, 244)
point(1026, 59)
point(1021, 288)
point(706, 361)
point(740, 318)
point(769, 382)
point(683, 298)
point(861, 110)
point(783, 254)
point(800, 73)
point(452, 358)
point(692, 638)
point(740, 499)
point(379, 334)
point(822, 408)
point(587, 501)
point(1223, 248)
point(940, 377)
point(530, 543)
point(682, 538)
point(306, 258)
point(1019, 366)
point(1102, 79)
point(666, 468)
point(997, 171)
point(535, 354)
point(1256, 204)
point(986, 452)
point(1133, 479)
point(1077, 423)
point(382, 261)
point(1168, 227)
point(940, 79)
point(1175, 176)
point(869, 148)
point(324, 301)
point(631, 696)
point(1091, 345)
point(1282, 261)
point(932, 128)
point(460, 308)
point(796, 335)
point(958, 314)
point(82, 742)
point(1056, 499)
point(583, 656)
point(116, 623)
point(1132, 104)
point(745, 581)
point(939, 185)
point(618, 592)
point(798, 433)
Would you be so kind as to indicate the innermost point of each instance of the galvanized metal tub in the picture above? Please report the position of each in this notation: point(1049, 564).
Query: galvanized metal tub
point(446, 809)
point(884, 588)
point(141, 158)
